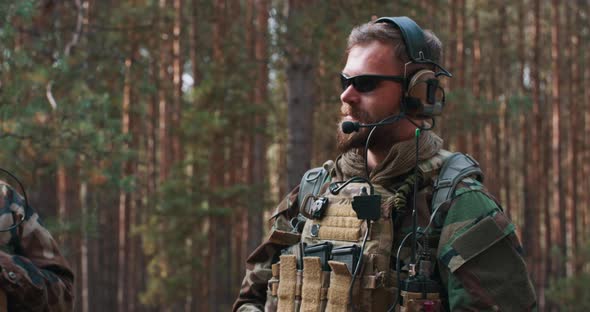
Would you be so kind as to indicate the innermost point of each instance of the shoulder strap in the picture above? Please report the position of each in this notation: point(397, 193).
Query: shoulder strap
point(312, 182)
point(454, 169)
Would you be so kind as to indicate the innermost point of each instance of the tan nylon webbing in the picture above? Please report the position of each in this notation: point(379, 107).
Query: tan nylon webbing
point(338, 292)
point(288, 283)
point(340, 223)
point(274, 281)
point(312, 285)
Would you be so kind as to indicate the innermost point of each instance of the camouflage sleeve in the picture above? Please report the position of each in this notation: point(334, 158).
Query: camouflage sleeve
point(253, 292)
point(480, 257)
point(34, 275)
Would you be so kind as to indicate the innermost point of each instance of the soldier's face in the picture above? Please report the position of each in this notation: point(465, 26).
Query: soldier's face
point(371, 106)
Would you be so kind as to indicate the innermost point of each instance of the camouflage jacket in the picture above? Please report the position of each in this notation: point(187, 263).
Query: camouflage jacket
point(478, 254)
point(33, 274)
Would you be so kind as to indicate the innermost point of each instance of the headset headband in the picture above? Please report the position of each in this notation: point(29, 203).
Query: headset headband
point(415, 41)
point(413, 37)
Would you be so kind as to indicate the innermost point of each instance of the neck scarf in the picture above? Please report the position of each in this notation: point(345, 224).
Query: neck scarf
point(400, 160)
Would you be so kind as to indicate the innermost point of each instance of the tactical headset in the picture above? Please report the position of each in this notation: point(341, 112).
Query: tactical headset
point(423, 97)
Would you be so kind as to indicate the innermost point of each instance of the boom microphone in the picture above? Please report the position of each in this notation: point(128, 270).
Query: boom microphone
point(349, 127)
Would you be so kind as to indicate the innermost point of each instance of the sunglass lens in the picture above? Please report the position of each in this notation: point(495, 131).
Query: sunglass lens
point(360, 83)
point(365, 84)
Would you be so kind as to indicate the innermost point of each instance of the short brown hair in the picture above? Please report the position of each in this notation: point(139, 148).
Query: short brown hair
point(388, 34)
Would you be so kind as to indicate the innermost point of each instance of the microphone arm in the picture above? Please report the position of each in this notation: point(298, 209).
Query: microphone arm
point(349, 127)
point(354, 126)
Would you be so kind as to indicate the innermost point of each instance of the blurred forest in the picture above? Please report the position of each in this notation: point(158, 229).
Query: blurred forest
point(155, 136)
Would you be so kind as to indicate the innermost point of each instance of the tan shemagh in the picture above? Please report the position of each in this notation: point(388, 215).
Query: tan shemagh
point(400, 159)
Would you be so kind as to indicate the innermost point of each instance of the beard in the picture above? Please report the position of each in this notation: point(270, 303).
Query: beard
point(383, 136)
point(357, 139)
point(347, 142)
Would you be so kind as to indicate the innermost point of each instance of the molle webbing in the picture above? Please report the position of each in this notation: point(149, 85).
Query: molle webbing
point(287, 291)
point(315, 285)
point(340, 222)
point(273, 283)
point(339, 283)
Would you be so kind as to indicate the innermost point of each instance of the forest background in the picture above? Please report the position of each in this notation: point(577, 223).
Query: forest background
point(154, 137)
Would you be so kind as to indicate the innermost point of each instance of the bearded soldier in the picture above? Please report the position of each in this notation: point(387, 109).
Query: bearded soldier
point(395, 222)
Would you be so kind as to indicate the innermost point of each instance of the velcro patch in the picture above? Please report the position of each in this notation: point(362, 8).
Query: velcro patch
point(311, 294)
point(288, 283)
point(339, 223)
point(340, 280)
point(476, 240)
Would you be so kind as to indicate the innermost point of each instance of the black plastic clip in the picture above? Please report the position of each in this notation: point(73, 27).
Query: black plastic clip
point(367, 207)
point(318, 208)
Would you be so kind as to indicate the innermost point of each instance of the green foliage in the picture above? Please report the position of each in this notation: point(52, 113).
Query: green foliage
point(572, 293)
point(83, 133)
point(520, 104)
point(173, 237)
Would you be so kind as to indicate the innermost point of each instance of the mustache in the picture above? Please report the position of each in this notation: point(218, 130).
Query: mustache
point(356, 114)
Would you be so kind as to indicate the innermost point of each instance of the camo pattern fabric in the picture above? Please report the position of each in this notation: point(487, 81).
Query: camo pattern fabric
point(253, 293)
point(33, 273)
point(480, 257)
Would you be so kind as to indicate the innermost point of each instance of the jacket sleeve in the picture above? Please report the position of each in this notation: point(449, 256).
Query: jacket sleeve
point(480, 256)
point(34, 275)
point(253, 292)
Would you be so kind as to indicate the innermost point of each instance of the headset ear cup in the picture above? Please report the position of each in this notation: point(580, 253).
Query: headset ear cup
point(424, 98)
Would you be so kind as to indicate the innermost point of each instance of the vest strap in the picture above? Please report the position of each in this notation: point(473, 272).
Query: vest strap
point(340, 280)
point(455, 168)
point(313, 282)
point(273, 283)
point(288, 285)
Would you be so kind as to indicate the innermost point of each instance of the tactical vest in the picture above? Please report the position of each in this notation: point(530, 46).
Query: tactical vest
point(316, 274)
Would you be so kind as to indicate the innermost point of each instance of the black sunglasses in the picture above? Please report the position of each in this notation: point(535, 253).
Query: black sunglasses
point(367, 83)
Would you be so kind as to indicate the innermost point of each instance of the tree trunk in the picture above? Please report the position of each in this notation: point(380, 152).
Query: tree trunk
point(124, 199)
point(547, 204)
point(585, 134)
point(461, 71)
point(300, 92)
point(83, 278)
point(219, 229)
point(532, 202)
point(475, 133)
point(165, 156)
point(504, 113)
point(198, 298)
point(452, 44)
point(177, 64)
point(261, 100)
point(242, 223)
point(236, 144)
point(572, 146)
point(558, 202)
